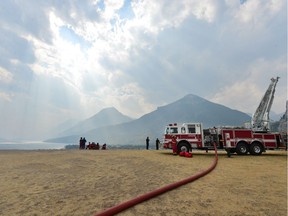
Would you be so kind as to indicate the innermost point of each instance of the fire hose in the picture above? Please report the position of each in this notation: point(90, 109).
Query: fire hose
point(125, 205)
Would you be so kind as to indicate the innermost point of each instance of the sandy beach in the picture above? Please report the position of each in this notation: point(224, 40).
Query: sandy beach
point(85, 182)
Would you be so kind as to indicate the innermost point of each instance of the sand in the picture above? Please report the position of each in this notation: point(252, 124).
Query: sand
point(84, 182)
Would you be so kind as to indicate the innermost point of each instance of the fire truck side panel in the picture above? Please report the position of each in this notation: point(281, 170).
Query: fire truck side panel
point(243, 134)
point(270, 140)
point(258, 136)
point(193, 139)
point(236, 136)
point(231, 135)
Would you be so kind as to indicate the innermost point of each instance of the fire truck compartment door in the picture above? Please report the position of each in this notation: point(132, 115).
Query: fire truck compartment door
point(194, 145)
point(228, 141)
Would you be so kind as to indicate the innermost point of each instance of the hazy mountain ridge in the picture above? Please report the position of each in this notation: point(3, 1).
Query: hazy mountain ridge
point(190, 108)
point(274, 116)
point(107, 116)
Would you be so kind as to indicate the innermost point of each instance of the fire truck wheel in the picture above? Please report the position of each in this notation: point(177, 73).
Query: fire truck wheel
point(241, 148)
point(256, 148)
point(183, 147)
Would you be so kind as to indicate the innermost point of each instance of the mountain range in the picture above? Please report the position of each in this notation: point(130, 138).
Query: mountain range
point(111, 127)
point(106, 117)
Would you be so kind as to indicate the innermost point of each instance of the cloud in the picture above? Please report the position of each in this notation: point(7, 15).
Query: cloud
point(74, 58)
point(14, 47)
point(247, 92)
point(22, 18)
point(5, 76)
point(6, 97)
point(258, 12)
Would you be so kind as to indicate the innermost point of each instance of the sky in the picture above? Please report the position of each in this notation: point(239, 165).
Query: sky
point(63, 60)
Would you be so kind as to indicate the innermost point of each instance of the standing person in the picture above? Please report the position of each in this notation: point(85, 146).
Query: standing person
point(174, 145)
point(84, 143)
point(104, 146)
point(157, 144)
point(147, 142)
point(80, 143)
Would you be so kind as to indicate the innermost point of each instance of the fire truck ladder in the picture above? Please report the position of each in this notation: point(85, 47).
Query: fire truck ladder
point(260, 119)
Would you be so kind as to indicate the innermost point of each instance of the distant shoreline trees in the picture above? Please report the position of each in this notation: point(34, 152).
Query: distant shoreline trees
point(73, 146)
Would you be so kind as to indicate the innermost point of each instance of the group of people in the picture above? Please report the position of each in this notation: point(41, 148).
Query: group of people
point(93, 145)
point(96, 146)
point(157, 143)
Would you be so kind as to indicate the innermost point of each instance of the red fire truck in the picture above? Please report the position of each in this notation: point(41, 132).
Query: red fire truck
point(242, 141)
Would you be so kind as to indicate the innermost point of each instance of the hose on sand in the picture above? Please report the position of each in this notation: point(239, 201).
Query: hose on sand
point(125, 205)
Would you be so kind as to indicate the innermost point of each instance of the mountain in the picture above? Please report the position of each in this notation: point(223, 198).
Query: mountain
point(274, 116)
point(281, 125)
point(190, 108)
point(107, 116)
point(59, 130)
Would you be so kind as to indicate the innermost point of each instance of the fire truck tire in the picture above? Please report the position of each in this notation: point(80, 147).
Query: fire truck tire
point(242, 148)
point(183, 147)
point(256, 148)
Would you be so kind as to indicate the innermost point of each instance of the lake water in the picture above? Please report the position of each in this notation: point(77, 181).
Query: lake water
point(38, 145)
point(30, 145)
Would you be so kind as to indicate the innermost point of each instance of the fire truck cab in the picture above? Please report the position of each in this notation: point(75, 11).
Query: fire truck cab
point(242, 141)
point(188, 135)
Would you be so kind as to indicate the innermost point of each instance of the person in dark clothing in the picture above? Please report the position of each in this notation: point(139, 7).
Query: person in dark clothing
point(84, 143)
point(104, 146)
point(80, 143)
point(147, 143)
point(157, 144)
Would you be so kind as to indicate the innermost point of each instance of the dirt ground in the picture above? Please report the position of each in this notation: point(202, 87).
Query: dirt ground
point(86, 182)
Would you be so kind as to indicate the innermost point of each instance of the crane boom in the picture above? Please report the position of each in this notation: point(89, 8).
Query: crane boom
point(260, 119)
